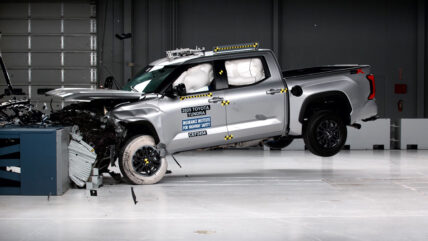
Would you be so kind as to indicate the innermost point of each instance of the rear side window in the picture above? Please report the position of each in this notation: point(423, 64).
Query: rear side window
point(246, 71)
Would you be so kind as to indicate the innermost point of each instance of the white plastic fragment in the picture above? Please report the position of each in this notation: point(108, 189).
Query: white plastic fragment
point(81, 159)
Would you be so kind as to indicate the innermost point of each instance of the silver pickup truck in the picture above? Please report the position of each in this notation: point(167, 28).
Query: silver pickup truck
point(195, 99)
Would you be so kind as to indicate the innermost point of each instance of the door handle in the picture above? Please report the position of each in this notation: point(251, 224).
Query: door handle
point(215, 99)
point(273, 91)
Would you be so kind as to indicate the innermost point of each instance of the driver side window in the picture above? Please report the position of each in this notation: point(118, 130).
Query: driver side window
point(197, 78)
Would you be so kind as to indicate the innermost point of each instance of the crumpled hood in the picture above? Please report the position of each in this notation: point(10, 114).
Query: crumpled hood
point(88, 94)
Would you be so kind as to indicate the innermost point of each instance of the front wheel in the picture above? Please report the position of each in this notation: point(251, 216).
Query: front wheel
point(140, 162)
point(325, 134)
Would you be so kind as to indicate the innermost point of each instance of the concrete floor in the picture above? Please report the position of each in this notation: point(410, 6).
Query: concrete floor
point(243, 195)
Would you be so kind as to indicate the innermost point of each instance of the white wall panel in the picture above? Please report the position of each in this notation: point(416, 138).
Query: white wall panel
point(372, 133)
point(414, 132)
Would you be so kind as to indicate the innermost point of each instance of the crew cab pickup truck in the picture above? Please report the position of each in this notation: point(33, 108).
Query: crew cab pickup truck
point(196, 99)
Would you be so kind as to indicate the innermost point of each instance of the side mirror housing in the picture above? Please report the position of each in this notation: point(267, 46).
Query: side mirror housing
point(170, 92)
point(180, 89)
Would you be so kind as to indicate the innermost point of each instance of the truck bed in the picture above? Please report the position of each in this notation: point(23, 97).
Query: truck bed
point(295, 73)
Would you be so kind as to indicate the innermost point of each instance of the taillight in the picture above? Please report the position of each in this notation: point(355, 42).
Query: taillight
point(371, 79)
point(360, 71)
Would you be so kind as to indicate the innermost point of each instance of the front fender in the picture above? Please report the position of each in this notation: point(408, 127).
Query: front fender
point(135, 113)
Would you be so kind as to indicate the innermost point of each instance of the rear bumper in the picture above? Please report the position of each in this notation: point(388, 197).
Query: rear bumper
point(368, 112)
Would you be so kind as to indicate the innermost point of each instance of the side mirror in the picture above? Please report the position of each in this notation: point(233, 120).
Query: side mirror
point(170, 92)
point(180, 89)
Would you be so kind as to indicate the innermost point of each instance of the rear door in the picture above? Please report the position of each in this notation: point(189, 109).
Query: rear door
point(255, 108)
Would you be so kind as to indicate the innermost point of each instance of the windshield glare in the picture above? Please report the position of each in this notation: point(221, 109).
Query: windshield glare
point(148, 79)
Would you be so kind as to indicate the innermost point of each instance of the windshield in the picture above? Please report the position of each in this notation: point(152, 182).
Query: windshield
point(149, 78)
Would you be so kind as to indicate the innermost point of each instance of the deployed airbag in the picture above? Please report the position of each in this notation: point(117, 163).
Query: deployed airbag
point(197, 78)
point(244, 71)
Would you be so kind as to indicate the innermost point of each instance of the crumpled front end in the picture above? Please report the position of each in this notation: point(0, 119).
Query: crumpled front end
point(126, 117)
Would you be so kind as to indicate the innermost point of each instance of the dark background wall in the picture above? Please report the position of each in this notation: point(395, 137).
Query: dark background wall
point(388, 35)
point(46, 45)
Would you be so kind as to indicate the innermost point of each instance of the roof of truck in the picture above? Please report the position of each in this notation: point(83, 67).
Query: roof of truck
point(167, 61)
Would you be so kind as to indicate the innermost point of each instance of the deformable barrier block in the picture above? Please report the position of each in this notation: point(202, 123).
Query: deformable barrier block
point(34, 161)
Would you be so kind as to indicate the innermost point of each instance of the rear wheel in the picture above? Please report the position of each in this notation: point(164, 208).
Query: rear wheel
point(325, 134)
point(140, 162)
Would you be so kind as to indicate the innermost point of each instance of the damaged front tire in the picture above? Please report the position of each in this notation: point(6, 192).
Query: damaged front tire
point(140, 161)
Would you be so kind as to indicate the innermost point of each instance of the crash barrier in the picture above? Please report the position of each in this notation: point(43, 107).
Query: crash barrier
point(372, 135)
point(413, 134)
point(33, 161)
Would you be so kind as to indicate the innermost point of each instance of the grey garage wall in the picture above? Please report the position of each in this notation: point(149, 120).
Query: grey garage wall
point(389, 35)
point(380, 33)
point(48, 44)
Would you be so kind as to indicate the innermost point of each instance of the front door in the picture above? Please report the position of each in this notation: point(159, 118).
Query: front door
point(195, 120)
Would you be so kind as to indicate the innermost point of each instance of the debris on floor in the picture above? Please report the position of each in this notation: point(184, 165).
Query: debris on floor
point(133, 196)
point(204, 231)
point(93, 193)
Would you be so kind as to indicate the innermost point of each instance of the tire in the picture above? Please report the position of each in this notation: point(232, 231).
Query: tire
point(140, 162)
point(325, 134)
point(279, 142)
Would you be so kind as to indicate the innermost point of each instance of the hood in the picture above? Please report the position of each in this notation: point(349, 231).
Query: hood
point(87, 94)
